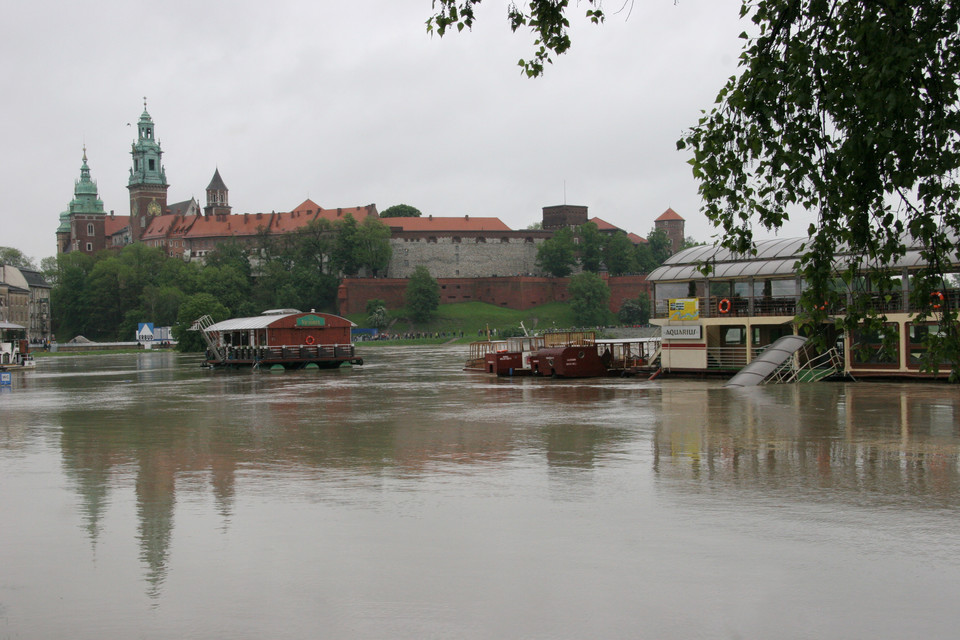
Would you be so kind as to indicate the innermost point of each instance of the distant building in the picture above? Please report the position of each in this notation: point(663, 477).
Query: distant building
point(673, 225)
point(25, 300)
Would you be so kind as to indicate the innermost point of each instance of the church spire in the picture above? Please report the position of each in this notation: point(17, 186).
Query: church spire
point(148, 180)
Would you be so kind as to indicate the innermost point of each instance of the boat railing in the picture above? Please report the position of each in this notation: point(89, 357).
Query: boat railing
point(726, 357)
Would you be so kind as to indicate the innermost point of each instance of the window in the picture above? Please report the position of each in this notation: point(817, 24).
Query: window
point(873, 349)
point(89, 228)
point(89, 246)
point(152, 164)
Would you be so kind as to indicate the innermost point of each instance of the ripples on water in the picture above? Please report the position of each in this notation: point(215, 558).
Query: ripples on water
point(406, 498)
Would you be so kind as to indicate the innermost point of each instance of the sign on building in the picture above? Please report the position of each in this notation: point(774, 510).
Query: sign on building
point(682, 333)
point(683, 309)
point(145, 332)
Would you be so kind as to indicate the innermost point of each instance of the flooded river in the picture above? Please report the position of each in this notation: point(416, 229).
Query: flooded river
point(144, 497)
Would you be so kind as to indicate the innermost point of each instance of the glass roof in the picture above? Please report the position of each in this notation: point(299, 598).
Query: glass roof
point(774, 258)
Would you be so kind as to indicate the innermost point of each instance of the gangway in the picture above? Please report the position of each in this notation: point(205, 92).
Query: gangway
point(201, 324)
point(774, 358)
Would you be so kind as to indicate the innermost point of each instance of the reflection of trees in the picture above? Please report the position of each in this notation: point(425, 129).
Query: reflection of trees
point(179, 430)
point(881, 441)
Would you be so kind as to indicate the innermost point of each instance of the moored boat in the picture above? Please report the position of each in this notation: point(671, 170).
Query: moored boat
point(285, 337)
point(576, 354)
point(14, 348)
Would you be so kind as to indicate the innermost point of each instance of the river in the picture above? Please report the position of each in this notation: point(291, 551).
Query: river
point(144, 497)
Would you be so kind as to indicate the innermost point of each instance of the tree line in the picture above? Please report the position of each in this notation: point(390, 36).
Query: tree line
point(104, 296)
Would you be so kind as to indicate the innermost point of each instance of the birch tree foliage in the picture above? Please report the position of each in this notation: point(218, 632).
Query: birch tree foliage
point(842, 110)
point(846, 110)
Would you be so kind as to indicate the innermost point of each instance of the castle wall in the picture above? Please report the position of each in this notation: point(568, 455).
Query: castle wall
point(467, 255)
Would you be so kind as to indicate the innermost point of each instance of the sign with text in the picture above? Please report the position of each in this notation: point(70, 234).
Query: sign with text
point(682, 333)
point(683, 309)
point(144, 331)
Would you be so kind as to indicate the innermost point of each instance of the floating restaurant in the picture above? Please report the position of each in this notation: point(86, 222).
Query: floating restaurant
point(721, 321)
point(285, 337)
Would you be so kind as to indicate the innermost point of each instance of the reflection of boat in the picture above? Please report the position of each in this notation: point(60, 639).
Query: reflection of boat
point(564, 355)
point(283, 337)
point(14, 348)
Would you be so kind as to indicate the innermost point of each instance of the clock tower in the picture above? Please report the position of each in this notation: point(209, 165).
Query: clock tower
point(148, 181)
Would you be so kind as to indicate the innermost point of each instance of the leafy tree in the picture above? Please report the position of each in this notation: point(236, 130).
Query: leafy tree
point(373, 245)
point(346, 246)
point(68, 303)
point(535, 226)
point(16, 258)
point(193, 308)
point(423, 294)
point(619, 254)
point(377, 313)
point(660, 246)
point(49, 269)
point(557, 255)
point(635, 310)
point(589, 299)
point(228, 285)
point(590, 246)
point(851, 110)
point(401, 211)
point(232, 253)
point(545, 18)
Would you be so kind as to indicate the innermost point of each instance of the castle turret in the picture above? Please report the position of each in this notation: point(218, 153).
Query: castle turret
point(148, 181)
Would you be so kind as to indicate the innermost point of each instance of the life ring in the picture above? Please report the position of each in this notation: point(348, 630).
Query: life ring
point(310, 340)
point(723, 306)
point(936, 297)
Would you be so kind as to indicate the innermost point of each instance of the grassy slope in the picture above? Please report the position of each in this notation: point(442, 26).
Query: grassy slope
point(473, 317)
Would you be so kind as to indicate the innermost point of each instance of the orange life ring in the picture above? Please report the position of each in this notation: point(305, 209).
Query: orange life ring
point(936, 297)
point(310, 340)
point(723, 306)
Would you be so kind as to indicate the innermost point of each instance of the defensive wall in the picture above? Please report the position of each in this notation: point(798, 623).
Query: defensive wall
point(466, 254)
point(513, 292)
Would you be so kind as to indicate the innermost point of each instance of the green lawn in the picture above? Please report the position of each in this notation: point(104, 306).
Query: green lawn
point(474, 317)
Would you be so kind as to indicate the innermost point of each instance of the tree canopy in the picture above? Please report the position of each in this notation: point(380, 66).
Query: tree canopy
point(401, 211)
point(848, 110)
point(16, 258)
point(423, 294)
point(558, 254)
point(589, 297)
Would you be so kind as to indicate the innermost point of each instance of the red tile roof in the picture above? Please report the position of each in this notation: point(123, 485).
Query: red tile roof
point(430, 223)
point(669, 214)
point(635, 239)
point(603, 225)
point(113, 224)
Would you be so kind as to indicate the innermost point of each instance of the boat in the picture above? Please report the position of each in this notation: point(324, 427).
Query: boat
point(285, 337)
point(14, 348)
point(722, 322)
point(568, 354)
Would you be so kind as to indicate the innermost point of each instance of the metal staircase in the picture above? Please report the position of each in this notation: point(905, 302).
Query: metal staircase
point(813, 369)
point(212, 338)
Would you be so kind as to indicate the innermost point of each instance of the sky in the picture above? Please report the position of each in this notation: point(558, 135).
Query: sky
point(352, 103)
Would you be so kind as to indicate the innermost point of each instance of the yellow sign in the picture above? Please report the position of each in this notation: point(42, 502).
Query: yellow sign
point(683, 309)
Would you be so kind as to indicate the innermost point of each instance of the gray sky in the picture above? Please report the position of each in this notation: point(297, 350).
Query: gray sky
point(352, 102)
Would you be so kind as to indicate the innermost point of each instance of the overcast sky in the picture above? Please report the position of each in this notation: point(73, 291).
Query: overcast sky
point(351, 103)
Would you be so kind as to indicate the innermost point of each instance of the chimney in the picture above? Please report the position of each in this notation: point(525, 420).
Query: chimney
point(430, 217)
point(467, 217)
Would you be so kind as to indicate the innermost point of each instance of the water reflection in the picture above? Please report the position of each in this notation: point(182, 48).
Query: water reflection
point(180, 447)
point(884, 443)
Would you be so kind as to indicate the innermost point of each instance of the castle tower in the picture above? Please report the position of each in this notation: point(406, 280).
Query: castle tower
point(148, 181)
point(563, 215)
point(82, 224)
point(218, 201)
point(671, 223)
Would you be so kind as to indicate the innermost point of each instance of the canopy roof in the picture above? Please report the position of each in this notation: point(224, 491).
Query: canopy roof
point(778, 258)
point(245, 324)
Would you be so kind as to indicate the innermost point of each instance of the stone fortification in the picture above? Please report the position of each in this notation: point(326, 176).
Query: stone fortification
point(467, 254)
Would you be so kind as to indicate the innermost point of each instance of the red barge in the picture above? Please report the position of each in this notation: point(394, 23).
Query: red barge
point(576, 354)
point(285, 337)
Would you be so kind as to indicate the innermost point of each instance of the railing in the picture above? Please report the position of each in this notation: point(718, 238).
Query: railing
point(726, 357)
point(291, 353)
point(788, 306)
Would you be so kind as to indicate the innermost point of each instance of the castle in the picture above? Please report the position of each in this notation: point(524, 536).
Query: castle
point(464, 247)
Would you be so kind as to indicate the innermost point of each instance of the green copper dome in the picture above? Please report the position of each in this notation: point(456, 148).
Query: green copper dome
point(85, 198)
